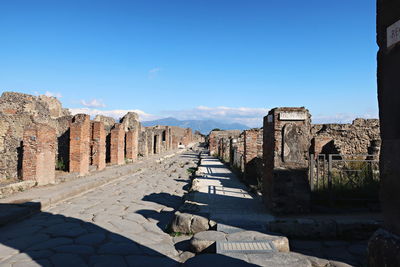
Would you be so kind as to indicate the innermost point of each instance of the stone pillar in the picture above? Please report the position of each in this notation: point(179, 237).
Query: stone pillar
point(157, 144)
point(39, 154)
point(150, 142)
point(174, 142)
point(79, 151)
point(168, 138)
point(132, 144)
point(117, 145)
point(187, 138)
point(213, 143)
point(98, 145)
point(384, 245)
point(285, 156)
point(143, 147)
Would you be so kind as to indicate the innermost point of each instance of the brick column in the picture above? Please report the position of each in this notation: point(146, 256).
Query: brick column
point(213, 143)
point(132, 144)
point(287, 134)
point(79, 151)
point(384, 245)
point(39, 154)
point(98, 147)
point(118, 144)
point(252, 155)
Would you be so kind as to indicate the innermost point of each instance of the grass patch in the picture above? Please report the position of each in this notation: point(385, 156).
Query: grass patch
point(60, 165)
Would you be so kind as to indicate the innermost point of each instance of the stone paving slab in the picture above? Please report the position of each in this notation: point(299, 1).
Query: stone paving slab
point(120, 223)
point(26, 203)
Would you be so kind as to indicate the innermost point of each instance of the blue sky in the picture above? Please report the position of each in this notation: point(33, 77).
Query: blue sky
point(225, 59)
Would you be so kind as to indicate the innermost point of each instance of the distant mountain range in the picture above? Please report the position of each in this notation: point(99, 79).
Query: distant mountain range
point(203, 126)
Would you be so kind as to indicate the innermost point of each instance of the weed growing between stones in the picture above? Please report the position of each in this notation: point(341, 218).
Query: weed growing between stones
point(60, 165)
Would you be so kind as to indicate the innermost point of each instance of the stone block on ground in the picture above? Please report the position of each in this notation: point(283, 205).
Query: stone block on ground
point(181, 223)
point(205, 241)
point(188, 223)
point(199, 224)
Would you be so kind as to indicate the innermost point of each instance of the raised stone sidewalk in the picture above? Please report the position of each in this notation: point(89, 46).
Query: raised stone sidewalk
point(223, 215)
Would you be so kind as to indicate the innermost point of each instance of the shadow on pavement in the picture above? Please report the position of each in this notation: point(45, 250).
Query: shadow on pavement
point(55, 240)
point(47, 239)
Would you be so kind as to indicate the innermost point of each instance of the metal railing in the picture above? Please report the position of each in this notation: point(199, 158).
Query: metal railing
point(335, 177)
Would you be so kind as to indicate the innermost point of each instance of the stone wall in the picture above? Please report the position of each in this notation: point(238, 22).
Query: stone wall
point(143, 146)
point(286, 141)
point(215, 136)
point(18, 111)
point(238, 153)
point(108, 125)
point(347, 139)
point(384, 245)
point(38, 136)
point(39, 151)
point(132, 128)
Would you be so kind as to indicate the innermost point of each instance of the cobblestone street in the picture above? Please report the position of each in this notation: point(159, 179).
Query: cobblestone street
point(122, 223)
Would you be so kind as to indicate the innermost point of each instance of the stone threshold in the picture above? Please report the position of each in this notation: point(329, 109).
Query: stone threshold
point(21, 205)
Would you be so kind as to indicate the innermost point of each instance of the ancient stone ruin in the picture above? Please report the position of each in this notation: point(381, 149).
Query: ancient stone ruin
point(38, 137)
point(275, 159)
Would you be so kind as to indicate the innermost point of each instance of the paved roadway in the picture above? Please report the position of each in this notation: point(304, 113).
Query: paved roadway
point(118, 224)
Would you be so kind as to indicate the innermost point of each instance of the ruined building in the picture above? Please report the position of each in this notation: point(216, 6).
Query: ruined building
point(275, 159)
point(38, 136)
point(359, 137)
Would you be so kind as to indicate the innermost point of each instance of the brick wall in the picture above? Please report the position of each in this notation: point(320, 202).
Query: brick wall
point(39, 153)
point(98, 147)
point(80, 133)
point(132, 145)
point(117, 153)
point(252, 155)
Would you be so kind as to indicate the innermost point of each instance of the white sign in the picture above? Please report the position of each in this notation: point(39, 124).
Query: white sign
point(292, 116)
point(393, 34)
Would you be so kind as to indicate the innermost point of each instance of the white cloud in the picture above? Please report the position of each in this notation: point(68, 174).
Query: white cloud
point(343, 117)
point(94, 103)
point(153, 72)
point(52, 94)
point(115, 113)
